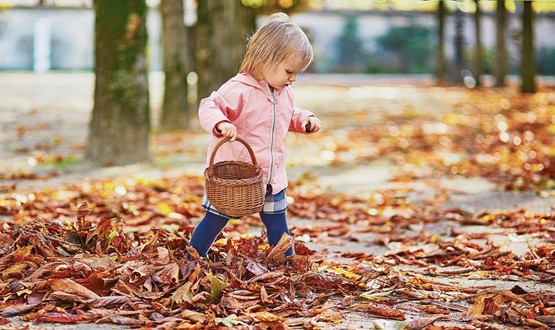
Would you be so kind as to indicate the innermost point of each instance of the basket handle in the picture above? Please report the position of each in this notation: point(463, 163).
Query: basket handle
point(224, 140)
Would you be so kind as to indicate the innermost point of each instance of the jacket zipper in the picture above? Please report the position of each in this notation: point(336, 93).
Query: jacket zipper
point(272, 136)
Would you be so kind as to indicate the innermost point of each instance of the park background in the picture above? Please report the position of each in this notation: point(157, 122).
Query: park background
point(192, 47)
point(427, 202)
point(36, 37)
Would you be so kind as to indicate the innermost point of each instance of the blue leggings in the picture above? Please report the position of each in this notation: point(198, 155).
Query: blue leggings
point(212, 224)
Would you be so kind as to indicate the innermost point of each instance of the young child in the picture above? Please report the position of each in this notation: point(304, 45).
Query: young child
point(257, 105)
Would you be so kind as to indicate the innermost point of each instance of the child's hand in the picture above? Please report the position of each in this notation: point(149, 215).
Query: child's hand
point(311, 125)
point(227, 129)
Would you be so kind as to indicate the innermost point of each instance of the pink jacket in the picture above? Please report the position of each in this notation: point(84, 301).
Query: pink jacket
point(262, 119)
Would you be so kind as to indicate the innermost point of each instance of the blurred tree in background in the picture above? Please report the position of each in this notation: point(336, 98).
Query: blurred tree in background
point(527, 59)
point(440, 67)
point(402, 49)
point(410, 45)
point(176, 111)
point(501, 57)
point(478, 51)
point(546, 60)
point(220, 35)
point(350, 55)
point(120, 124)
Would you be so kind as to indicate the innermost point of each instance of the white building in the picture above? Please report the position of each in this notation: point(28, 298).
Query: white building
point(47, 38)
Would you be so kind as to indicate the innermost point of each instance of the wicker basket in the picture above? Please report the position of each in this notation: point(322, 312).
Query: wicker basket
point(232, 187)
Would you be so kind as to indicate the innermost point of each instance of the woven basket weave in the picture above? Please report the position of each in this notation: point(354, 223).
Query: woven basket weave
point(232, 187)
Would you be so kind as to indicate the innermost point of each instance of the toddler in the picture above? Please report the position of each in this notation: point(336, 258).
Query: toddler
point(257, 105)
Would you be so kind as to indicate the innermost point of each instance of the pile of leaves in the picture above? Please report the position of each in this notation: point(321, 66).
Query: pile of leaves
point(98, 273)
point(121, 258)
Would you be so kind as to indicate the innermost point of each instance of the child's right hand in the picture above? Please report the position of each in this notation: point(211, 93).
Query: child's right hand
point(227, 129)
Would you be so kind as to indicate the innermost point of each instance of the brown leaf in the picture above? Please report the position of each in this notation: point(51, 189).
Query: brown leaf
point(546, 319)
point(50, 267)
point(64, 296)
point(69, 286)
point(82, 213)
point(193, 316)
point(278, 251)
point(16, 310)
point(17, 269)
point(535, 323)
point(255, 267)
point(423, 323)
point(105, 302)
point(235, 305)
point(433, 309)
point(489, 303)
point(103, 233)
point(266, 276)
point(169, 274)
point(381, 310)
point(54, 317)
point(193, 253)
point(186, 292)
point(330, 315)
point(301, 263)
point(266, 317)
point(264, 295)
point(22, 253)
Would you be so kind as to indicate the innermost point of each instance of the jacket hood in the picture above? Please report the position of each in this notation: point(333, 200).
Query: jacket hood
point(249, 80)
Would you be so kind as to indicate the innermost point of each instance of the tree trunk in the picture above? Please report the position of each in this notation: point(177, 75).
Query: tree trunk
point(440, 55)
point(478, 47)
point(500, 46)
point(120, 124)
point(221, 33)
point(457, 72)
point(528, 58)
point(175, 108)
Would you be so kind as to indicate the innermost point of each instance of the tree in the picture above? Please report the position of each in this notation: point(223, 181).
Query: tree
point(176, 112)
point(120, 124)
point(528, 60)
point(477, 63)
point(500, 45)
point(457, 71)
point(349, 47)
point(221, 32)
point(410, 44)
point(440, 54)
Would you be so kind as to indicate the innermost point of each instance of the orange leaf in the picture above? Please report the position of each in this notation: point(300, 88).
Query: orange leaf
point(266, 317)
point(22, 253)
point(15, 269)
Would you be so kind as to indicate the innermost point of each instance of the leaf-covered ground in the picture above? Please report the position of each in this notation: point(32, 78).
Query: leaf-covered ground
point(112, 248)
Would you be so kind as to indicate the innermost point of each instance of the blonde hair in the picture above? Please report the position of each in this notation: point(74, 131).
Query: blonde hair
point(277, 40)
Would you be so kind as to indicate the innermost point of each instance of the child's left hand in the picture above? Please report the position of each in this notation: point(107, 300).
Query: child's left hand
point(311, 125)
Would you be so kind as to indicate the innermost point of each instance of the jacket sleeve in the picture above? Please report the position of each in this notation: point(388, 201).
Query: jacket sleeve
point(222, 105)
point(299, 115)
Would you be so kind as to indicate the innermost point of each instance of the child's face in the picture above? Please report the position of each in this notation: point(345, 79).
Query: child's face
point(283, 74)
